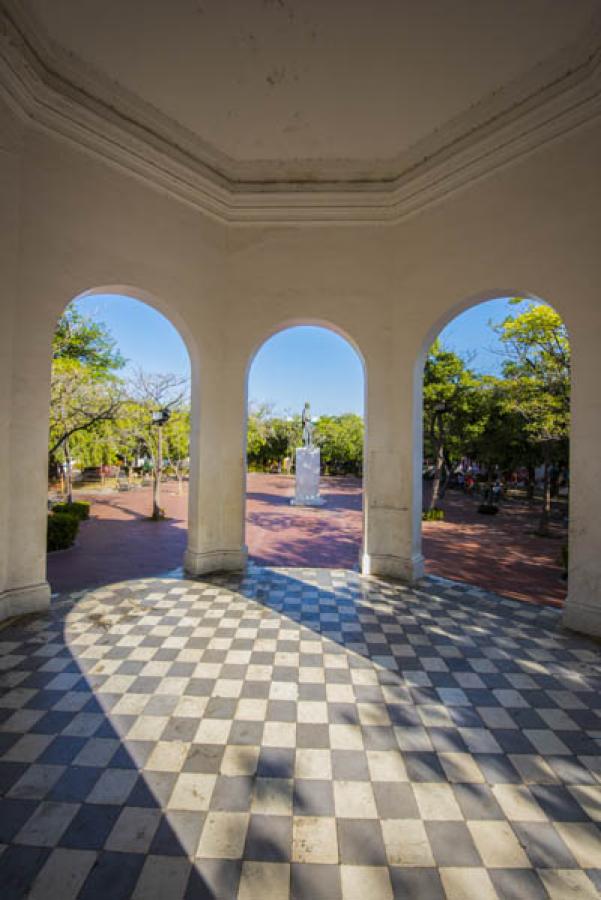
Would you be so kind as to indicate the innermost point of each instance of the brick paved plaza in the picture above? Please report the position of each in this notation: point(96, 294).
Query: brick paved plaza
point(500, 555)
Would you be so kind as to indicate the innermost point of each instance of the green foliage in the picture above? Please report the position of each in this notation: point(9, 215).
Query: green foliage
point(62, 531)
point(340, 439)
point(84, 391)
point(502, 421)
point(82, 340)
point(81, 398)
point(454, 403)
point(433, 515)
point(78, 508)
point(176, 436)
point(537, 372)
point(519, 419)
point(270, 439)
point(501, 439)
point(135, 434)
point(97, 445)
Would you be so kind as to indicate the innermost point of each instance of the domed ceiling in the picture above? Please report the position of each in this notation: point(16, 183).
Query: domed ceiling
point(310, 90)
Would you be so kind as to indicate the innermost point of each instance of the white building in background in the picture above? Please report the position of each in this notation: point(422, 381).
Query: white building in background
point(372, 167)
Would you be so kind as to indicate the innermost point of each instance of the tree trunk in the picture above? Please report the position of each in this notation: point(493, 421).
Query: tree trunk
point(545, 513)
point(157, 512)
point(531, 483)
point(436, 481)
point(69, 479)
point(444, 482)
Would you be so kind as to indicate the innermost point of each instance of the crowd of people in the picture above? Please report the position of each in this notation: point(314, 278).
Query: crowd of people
point(472, 477)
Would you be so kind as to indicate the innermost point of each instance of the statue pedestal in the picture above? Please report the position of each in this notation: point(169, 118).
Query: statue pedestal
point(307, 477)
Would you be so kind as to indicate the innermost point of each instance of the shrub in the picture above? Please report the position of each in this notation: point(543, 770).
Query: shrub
point(488, 509)
point(62, 531)
point(78, 508)
point(433, 515)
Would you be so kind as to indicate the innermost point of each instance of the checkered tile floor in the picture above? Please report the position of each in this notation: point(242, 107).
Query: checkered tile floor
point(298, 733)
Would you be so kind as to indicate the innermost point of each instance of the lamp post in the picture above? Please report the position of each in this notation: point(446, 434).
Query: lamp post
point(159, 418)
point(437, 488)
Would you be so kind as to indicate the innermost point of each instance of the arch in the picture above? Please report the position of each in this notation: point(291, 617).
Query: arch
point(326, 325)
point(308, 322)
point(458, 307)
point(166, 311)
point(157, 303)
point(454, 311)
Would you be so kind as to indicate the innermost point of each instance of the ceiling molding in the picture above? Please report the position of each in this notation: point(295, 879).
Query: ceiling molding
point(58, 93)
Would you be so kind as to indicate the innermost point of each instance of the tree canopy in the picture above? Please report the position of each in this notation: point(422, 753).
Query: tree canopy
point(537, 372)
point(85, 393)
point(80, 339)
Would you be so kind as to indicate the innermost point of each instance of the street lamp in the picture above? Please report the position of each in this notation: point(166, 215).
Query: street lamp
point(159, 418)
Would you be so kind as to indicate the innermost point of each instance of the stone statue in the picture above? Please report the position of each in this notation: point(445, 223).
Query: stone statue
point(307, 426)
point(307, 466)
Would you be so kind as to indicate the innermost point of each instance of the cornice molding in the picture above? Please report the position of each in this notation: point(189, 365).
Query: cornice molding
point(54, 91)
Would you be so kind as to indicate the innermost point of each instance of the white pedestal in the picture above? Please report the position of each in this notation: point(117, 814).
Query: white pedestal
point(307, 478)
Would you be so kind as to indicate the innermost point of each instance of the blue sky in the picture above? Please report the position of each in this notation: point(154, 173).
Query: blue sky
point(303, 363)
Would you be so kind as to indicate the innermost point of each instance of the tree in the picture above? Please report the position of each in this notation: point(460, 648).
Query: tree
point(282, 437)
point(340, 439)
point(256, 432)
point(176, 435)
point(502, 442)
point(82, 340)
point(537, 384)
point(84, 391)
point(80, 399)
point(270, 438)
point(453, 411)
point(148, 393)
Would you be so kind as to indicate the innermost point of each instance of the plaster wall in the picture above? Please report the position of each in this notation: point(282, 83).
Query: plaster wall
point(531, 228)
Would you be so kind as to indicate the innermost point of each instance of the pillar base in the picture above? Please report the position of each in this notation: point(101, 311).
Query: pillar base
point(583, 617)
point(387, 566)
point(19, 601)
point(211, 561)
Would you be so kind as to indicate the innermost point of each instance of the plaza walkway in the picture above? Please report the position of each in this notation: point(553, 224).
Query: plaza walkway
point(298, 733)
point(500, 555)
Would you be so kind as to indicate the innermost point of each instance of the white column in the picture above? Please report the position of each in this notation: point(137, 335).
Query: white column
point(392, 470)
point(24, 380)
point(217, 468)
point(26, 588)
point(583, 606)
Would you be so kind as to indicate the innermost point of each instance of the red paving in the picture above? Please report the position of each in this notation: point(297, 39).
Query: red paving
point(498, 554)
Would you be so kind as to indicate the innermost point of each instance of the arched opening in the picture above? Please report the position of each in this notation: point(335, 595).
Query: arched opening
point(119, 441)
point(495, 449)
point(300, 364)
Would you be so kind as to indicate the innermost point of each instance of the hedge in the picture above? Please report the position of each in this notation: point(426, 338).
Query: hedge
point(78, 508)
point(433, 515)
point(62, 531)
point(488, 509)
